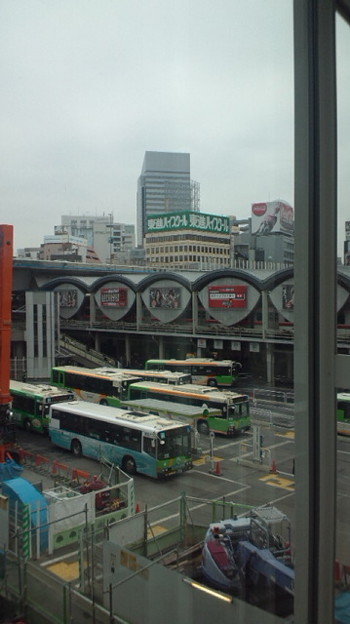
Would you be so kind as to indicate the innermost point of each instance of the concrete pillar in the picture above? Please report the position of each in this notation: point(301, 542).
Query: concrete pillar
point(161, 347)
point(270, 363)
point(92, 309)
point(97, 342)
point(127, 350)
point(265, 312)
point(138, 310)
point(194, 312)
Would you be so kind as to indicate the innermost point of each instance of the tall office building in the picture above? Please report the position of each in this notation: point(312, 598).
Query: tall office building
point(164, 186)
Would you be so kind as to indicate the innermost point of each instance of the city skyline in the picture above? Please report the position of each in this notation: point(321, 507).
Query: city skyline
point(88, 88)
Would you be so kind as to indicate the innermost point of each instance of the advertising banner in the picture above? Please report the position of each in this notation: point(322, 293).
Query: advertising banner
point(68, 298)
point(166, 298)
point(227, 296)
point(271, 217)
point(114, 297)
point(288, 297)
point(188, 220)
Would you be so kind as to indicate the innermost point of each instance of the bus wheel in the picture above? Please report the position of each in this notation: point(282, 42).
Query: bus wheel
point(202, 427)
point(103, 402)
point(212, 383)
point(129, 465)
point(27, 425)
point(76, 448)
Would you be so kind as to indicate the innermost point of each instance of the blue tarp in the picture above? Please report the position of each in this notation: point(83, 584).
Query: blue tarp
point(10, 470)
point(342, 608)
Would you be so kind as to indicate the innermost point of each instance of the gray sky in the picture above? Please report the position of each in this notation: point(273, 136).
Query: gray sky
point(89, 85)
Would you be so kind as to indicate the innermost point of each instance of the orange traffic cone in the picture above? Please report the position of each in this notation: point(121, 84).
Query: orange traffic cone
point(273, 468)
point(217, 471)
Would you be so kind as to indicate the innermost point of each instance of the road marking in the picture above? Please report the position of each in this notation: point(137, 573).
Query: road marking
point(276, 481)
point(205, 459)
point(288, 434)
point(157, 529)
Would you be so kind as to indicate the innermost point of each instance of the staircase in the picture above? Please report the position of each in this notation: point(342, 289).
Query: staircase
point(82, 354)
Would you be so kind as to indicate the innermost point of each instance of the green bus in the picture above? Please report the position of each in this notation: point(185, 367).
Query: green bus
point(31, 404)
point(203, 371)
point(107, 386)
point(343, 413)
point(169, 377)
point(223, 412)
point(137, 442)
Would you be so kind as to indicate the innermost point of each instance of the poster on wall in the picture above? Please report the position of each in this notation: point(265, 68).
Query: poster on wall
point(227, 296)
point(165, 298)
point(114, 297)
point(288, 297)
point(235, 345)
point(68, 298)
point(202, 343)
point(254, 347)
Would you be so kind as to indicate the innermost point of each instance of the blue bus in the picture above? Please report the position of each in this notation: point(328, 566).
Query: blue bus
point(134, 441)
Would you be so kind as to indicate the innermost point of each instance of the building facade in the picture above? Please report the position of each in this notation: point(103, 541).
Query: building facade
point(103, 235)
point(188, 240)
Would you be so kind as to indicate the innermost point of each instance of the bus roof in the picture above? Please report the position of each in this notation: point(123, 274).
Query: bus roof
point(136, 420)
point(343, 396)
point(190, 389)
point(194, 360)
point(107, 373)
point(171, 375)
point(178, 409)
point(39, 389)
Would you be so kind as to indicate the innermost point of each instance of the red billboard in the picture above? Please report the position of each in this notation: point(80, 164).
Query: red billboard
point(114, 297)
point(227, 296)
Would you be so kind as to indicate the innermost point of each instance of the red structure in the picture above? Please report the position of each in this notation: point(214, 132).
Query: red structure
point(7, 433)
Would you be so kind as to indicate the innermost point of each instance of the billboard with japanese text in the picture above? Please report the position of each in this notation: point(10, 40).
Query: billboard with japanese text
point(188, 220)
point(114, 297)
point(234, 296)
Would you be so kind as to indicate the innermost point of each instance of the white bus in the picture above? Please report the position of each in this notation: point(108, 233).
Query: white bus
point(134, 441)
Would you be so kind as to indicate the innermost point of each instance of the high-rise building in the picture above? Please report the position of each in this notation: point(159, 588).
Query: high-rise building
point(105, 236)
point(164, 186)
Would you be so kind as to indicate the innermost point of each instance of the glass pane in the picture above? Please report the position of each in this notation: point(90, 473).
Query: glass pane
point(342, 565)
point(189, 104)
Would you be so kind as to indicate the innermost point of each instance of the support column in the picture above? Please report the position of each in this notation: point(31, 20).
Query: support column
point(138, 310)
point(92, 305)
point(127, 350)
point(270, 363)
point(98, 343)
point(161, 347)
point(265, 313)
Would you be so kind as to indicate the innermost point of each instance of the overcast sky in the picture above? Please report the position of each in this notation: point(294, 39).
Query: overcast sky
point(89, 85)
